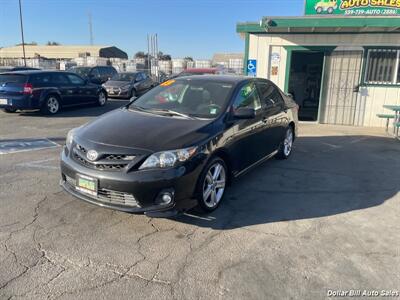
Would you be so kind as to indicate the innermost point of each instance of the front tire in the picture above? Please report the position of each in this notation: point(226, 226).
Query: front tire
point(286, 146)
point(51, 105)
point(212, 184)
point(10, 110)
point(102, 98)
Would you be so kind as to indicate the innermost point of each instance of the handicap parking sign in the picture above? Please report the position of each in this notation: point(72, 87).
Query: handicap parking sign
point(252, 67)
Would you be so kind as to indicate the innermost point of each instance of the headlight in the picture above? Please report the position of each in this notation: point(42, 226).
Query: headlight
point(167, 159)
point(70, 138)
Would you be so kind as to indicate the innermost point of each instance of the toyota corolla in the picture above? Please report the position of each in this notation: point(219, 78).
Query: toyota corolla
point(178, 145)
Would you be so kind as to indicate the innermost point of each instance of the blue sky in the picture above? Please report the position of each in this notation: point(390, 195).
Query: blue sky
point(195, 28)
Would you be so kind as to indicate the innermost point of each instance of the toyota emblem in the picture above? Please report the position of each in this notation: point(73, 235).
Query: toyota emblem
point(92, 155)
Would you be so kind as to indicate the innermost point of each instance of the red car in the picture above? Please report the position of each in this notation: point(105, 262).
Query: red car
point(198, 71)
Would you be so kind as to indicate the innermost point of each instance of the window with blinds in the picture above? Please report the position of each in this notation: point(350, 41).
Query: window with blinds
point(382, 66)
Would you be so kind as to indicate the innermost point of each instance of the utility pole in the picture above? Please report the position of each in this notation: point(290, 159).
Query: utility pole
point(22, 31)
point(90, 29)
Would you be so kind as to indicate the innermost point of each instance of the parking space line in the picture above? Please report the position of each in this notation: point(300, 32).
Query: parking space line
point(38, 164)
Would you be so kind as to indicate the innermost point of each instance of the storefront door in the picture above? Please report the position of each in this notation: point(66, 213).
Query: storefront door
point(340, 88)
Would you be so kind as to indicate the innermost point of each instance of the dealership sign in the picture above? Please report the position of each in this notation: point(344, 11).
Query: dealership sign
point(353, 7)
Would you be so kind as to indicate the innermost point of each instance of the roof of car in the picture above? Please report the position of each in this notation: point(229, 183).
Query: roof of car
point(200, 70)
point(225, 78)
point(29, 72)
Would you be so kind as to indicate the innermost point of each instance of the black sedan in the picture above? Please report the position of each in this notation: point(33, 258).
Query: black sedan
point(128, 84)
point(179, 144)
point(48, 91)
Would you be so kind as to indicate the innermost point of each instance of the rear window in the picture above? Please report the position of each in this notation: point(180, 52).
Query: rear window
point(12, 78)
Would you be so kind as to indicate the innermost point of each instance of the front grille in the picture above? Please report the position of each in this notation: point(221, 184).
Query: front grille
point(107, 196)
point(107, 162)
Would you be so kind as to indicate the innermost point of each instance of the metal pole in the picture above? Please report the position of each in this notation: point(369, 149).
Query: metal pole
point(91, 29)
point(157, 67)
point(148, 53)
point(22, 31)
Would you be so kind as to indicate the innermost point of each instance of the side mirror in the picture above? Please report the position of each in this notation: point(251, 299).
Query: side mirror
point(244, 113)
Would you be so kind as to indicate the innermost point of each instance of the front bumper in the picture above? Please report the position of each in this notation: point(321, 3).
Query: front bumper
point(138, 190)
point(118, 93)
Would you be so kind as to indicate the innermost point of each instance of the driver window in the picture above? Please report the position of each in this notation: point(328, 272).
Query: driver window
point(95, 73)
point(247, 97)
point(76, 80)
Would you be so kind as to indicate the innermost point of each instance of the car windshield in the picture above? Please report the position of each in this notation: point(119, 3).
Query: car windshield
point(186, 97)
point(124, 77)
point(80, 71)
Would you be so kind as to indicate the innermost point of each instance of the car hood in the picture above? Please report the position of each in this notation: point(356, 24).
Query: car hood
point(146, 131)
point(112, 83)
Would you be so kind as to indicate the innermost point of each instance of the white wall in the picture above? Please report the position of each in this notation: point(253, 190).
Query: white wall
point(262, 45)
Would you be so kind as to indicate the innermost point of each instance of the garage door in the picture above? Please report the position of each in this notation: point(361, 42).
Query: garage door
point(339, 96)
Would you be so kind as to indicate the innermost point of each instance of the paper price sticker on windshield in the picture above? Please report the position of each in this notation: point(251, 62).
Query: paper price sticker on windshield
point(168, 82)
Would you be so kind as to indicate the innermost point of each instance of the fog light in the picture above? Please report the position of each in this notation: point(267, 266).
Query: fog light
point(165, 197)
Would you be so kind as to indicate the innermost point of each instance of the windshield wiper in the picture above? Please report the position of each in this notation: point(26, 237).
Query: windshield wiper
point(171, 112)
point(162, 111)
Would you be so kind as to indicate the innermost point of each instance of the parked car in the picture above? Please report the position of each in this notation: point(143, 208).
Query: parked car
point(128, 84)
point(47, 90)
point(154, 156)
point(97, 75)
point(11, 69)
point(198, 71)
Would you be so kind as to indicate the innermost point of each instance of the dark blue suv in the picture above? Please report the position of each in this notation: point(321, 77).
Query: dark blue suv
point(48, 91)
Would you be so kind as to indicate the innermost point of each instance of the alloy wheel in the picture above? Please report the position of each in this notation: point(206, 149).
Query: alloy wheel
point(102, 99)
point(214, 185)
point(53, 105)
point(288, 142)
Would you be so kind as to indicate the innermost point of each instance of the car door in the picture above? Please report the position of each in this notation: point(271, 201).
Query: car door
point(81, 95)
point(148, 81)
point(139, 82)
point(274, 118)
point(246, 144)
point(67, 91)
point(95, 76)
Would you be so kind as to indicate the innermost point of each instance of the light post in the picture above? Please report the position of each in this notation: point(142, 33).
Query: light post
point(22, 31)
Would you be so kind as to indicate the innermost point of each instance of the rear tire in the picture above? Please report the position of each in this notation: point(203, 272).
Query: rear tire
point(212, 185)
point(51, 105)
point(10, 110)
point(286, 146)
point(102, 99)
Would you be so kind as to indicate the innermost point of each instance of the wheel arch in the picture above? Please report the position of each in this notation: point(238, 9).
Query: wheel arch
point(224, 155)
point(294, 128)
point(49, 93)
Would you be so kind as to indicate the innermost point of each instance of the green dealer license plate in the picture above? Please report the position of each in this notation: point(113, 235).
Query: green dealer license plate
point(86, 185)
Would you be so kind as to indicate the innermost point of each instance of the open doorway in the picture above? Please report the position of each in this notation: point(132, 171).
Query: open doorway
point(305, 82)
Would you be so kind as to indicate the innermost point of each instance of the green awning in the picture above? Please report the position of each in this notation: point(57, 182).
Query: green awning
point(325, 24)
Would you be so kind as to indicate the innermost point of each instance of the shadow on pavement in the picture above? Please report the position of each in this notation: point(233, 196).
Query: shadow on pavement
point(325, 176)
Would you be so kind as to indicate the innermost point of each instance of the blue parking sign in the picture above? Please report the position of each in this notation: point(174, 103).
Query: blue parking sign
point(252, 67)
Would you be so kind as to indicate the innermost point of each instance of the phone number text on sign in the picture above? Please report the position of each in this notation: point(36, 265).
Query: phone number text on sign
point(371, 12)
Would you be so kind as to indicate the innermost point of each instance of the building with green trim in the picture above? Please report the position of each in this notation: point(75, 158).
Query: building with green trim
point(339, 69)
